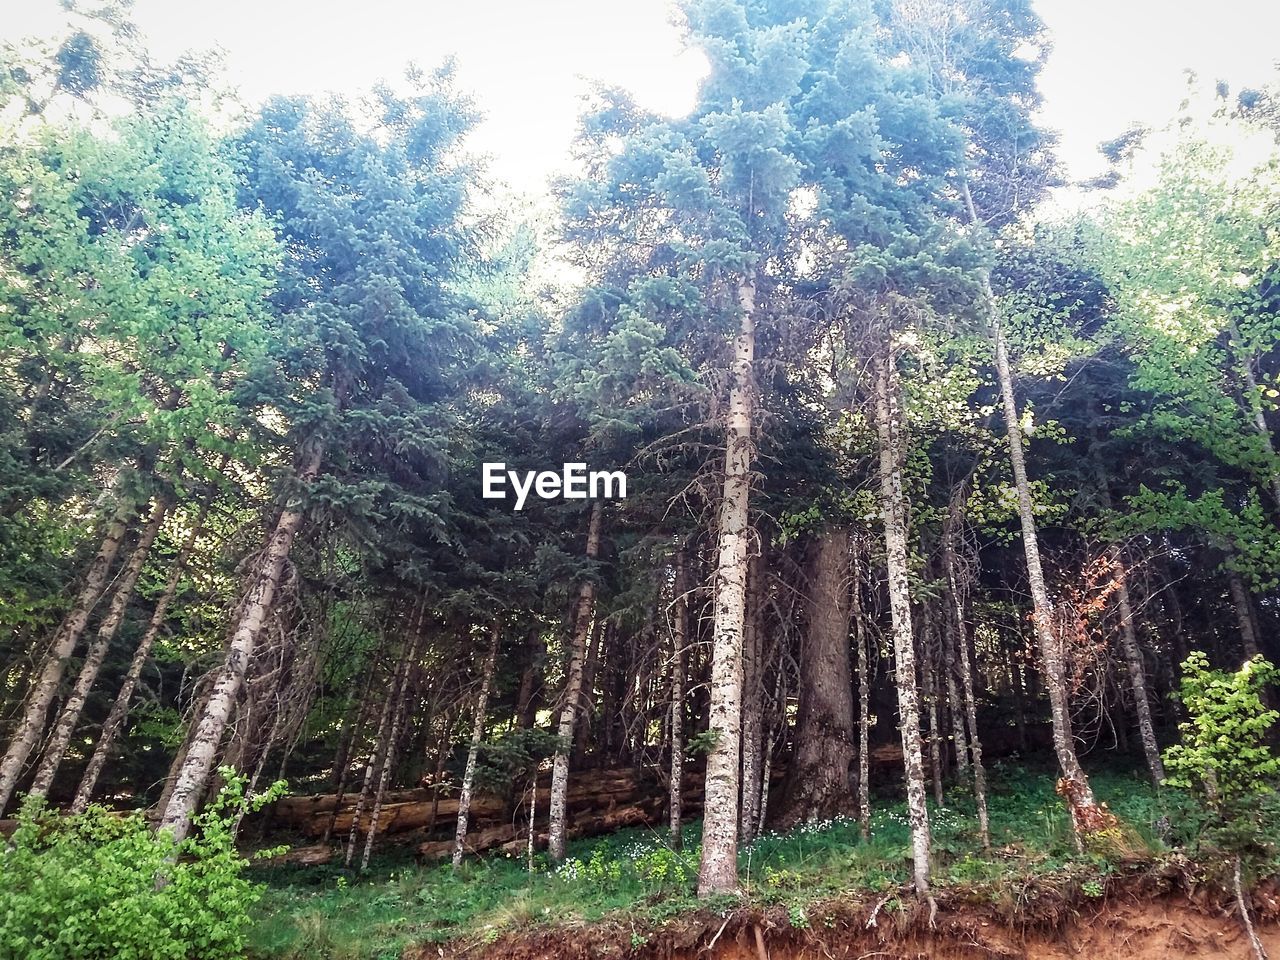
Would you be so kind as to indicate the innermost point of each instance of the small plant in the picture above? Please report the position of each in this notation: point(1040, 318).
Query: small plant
point(797, 916)
point(1093, 888)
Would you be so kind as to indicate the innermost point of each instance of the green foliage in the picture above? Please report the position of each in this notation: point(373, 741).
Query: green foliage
point(1224, 757)
point(98, 885)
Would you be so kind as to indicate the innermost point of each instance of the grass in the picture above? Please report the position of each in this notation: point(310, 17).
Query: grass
point(325, 912)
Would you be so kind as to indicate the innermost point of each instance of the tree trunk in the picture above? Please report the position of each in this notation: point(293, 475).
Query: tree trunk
point(679, 639)
point(1253, 400)
point(572, 694)
point(477, 736)
point(818, 780)
point(120, 707)
point(42, 691)
point(1134, 665)
point(718, 870)
point(864, 696)
point(931, 701)
point(377, 758)
point(1084, 807)
point(69, 716)
point(401, 694)
point(212, 722)
point(888, 429)
point(752, 701)
point(950, 562)
point(1244, 614)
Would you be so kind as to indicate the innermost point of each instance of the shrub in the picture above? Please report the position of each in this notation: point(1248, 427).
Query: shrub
point(87, 885)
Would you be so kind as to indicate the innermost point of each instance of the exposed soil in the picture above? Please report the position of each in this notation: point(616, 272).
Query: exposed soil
point(1141, 918)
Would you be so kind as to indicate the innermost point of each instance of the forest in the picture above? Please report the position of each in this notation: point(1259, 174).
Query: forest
point(923, 551)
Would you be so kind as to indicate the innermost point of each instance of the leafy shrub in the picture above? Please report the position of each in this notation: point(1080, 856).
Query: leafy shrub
point(1224, 759)
point(86, 886)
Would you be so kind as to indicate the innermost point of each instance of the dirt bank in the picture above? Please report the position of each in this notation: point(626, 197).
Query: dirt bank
point(1134, 921)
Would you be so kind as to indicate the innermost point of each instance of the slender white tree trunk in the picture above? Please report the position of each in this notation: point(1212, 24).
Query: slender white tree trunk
point(949, 534)
point(56, 747)
point(1253, 400)
point(864, 695)
point(888, 428)
point(401, 694)
point(1084, 809)
point(42, 691)
point(679, 638)
point(718, 871)
point(1244, 614)
point(473, 752)
point(752, 702)
point(193, 776)
point(120, 707)
point(572, 696)
point(1053, 665)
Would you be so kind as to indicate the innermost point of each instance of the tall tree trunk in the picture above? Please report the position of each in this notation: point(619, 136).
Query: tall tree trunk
point(1084, 808)
point(120, 706)
point(931, 701)
point(818, 780)
point(1053, 667)
point(572, 694)
point(193, 776)
point(718, 870)
point(378, 757)
point(888, 429)
point(42, 691)
point(752, 700)
point(1133, 661)
point(473, 752)
point(56, 747)
point(951, 531)
point(679, 640)
point(864, 695)
point(393, 741)
point(1253, 400)
point(1244, 614)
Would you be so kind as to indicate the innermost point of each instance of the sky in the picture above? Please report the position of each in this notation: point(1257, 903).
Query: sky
point(528, 62)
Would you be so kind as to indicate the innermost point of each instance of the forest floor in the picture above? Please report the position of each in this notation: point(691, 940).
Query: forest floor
point(809, 893)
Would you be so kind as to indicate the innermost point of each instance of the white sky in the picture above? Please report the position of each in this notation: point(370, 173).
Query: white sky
point(527, 61)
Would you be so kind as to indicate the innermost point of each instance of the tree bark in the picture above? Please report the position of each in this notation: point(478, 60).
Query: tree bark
point(718, 870)
point(1253, 400)
point(818, 780)
point(193, 776)
point(378, 758)
point(572, 694)
point(949, 560)
point(1133, 660)
point(752, 701)
point(931, 701)
point(1084, 807)
point(1244, 614)
point(401, 694)
point(69, 716)
point(864, 696)
point(477, 736)
point(679, 639)
point(120, 706)
point(888, 429)
point(42, 691)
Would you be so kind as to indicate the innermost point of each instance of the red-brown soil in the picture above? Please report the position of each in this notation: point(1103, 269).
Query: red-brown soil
point(1137, 921)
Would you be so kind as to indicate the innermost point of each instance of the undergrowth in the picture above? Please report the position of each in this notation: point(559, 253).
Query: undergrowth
point(324, 912)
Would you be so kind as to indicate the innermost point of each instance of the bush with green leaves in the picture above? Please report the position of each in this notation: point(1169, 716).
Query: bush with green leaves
point(1224, 759)
point(101, 885)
